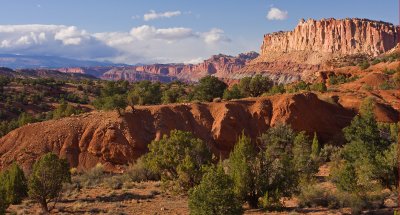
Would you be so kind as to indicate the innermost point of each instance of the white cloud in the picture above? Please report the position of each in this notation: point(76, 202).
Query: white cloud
point(154, 15)
point(216, 35)
point(194, 60)
point(141, 44)
point(145, 32)
point(277, 14)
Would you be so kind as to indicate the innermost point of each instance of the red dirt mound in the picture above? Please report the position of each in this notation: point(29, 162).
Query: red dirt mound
point(115, 139)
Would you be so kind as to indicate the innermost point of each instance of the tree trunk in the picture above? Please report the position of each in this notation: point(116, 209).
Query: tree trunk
point(44, 206)
point(253, 201)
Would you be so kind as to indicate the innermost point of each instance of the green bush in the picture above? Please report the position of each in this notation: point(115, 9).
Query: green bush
point(14, 184)
point(209, 88)
point(387, 85)
point(145, 93)
point(277, 89)
point(92, 177)
point(138, 172)
point(364, 65)
point(233, 93)
point(255, 86)
point(312, 195)
point(179, 159)
point(46, 180)
point(214, 195)
point(319, 87)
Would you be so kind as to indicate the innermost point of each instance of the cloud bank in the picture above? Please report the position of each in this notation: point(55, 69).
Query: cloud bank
point(141, 44)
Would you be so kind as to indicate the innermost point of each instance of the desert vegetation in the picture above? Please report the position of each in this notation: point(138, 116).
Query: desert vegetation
point(263, 173)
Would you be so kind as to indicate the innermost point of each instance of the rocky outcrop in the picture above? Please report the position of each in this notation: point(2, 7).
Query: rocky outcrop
point(132, 74)
point(96, 71)
point(330, 37)
point(117, 139)
point(218, 65)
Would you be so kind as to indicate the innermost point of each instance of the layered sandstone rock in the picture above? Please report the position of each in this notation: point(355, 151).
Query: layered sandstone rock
point(218, 65)
point(133, 74)
point(317, 40)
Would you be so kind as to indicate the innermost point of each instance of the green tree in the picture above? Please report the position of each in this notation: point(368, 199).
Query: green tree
point(110, 102)
point(214, 195)
point(179, 158)
point(243, 169)
point(145, 93)
point(278, 165)
point(255, 86)
point(14, 184)
point(368, 162)
point(46, 180)
point(315, 148)
point(233, 93)
point(209, 88)
point(305, 162)
point(173, 94)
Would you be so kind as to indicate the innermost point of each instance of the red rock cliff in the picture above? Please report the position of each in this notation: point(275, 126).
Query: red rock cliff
point(331, 37)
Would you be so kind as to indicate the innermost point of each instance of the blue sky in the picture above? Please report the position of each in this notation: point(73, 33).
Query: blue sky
point(174, 30)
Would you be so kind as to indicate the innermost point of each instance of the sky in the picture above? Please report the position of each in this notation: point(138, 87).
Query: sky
point(162, 31)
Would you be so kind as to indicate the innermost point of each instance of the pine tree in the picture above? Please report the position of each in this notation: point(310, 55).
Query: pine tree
point(15, 184)
point(315, 148)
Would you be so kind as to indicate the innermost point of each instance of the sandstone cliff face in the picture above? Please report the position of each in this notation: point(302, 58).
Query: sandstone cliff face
point(114, 139)
point(133, 74)
point(96, 71)
point(217, 65)
point(332, 37)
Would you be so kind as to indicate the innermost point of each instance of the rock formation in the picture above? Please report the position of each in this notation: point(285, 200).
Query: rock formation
point(117, 139)
point(318, 40)
point(313, 45)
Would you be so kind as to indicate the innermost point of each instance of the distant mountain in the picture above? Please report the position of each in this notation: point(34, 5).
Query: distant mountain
point(43, 73)
point(27, 61)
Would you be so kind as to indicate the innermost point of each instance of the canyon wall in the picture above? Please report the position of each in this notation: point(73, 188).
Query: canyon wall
point(218, 65)
point(326, 38)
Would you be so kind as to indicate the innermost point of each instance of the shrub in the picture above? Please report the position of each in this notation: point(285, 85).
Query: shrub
point(389, 71)
point(214, 195)
point(233, 93)
point(92, 177)
point(386, 86)
point(364, 65)
point(277, 89)
point(14, 184)
point(145, 93)
point(46, 180)
point(179, 159)
point(138, 172)
point(319, 87)
point(312, 195)
point(208, 88)
point(376, 61)
point(255, 86)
